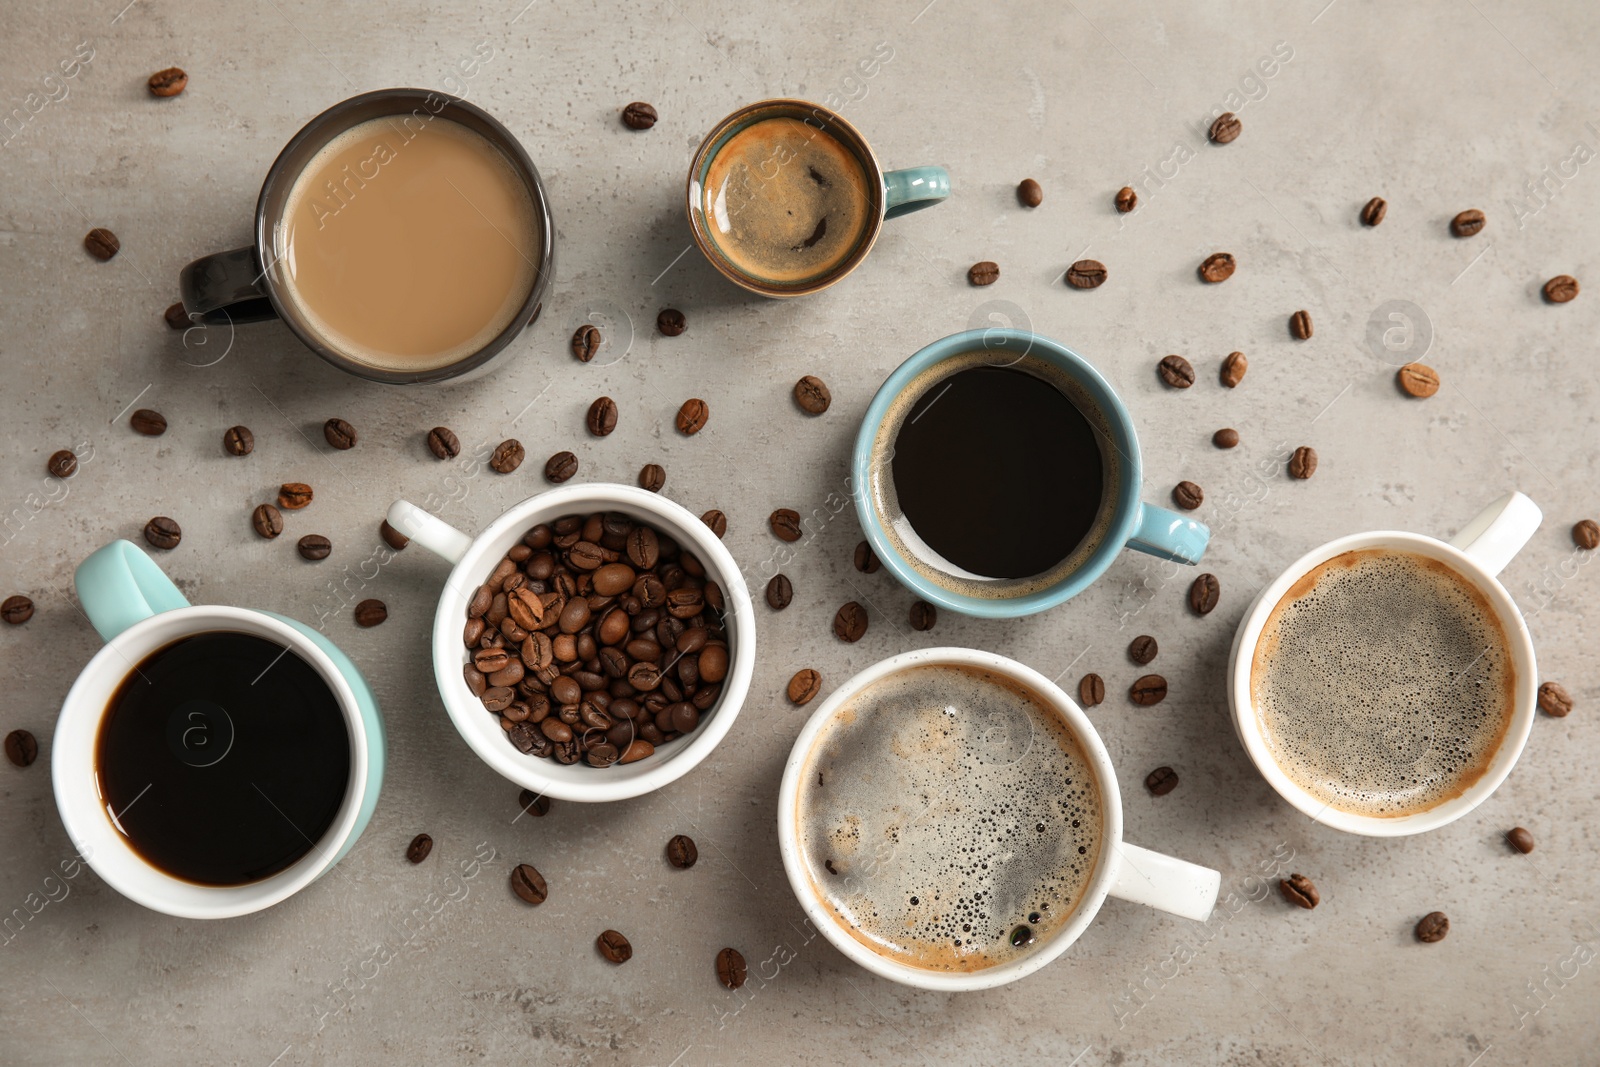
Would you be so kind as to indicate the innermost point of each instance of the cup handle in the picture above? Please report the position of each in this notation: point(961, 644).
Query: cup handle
point(1498, 532)
point(224, 288)
point(1165, 882)
point(429, 531)
point(1169, 536)
point(913, 189)
point(119, 585)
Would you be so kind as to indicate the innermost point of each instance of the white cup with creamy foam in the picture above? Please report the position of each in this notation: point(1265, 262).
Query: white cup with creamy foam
point(1416, 674)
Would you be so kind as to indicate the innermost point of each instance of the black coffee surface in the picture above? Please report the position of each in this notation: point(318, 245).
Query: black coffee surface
point(224, 757)
point(998, 472)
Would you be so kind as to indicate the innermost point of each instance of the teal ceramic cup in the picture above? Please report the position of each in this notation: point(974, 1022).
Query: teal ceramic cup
point(138, 611)
point(1122, 521)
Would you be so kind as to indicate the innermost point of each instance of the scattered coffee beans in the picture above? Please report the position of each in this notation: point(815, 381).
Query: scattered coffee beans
point(1432, 927)
point(866, 560)
point(150, 423)
point(1586, 533)
point(507, 456)
point(1233, 368)
point(1148, 690)
point(1225, 128)
point(1303, 464)
point(535, 804)
point(1300, 325)
point(1520, 839)
point(340, 434)
point(1555, 700)
point(21, 747)
point(984, 272)
point(419, 848)
point(371, 612)
point(1218, 267)
point(785, 523)
point(652, 476)
point(162, 532)
point(267, 521)
point(614, 947)
point(238, 441)
point(670, 322)
point(177, 317)
point(1204, 592)
point(850, 622)
point(560, 467)
point(1029, 193)
point(62, 464)
point(1187, 496)
point(392, 537)
point(1161, 781)
point(1299, 890)
point(586, 341)
point(102, 243)
point(1226, 438)
point(681, 852)
point(292, 496)
point(779, 592)
point(16, 609)
point(639, 116)
point(169, 82)
point(1561, 288)
point(1374, 211)
point(1467, 223)
point(1176, 372)
point(730, 968)
point(804, 686)
point(812, 394)
point(1086, 274)
point(716, 521)
point(443, 442)
point(1142, 649)
point(923, 616)
point(1091, 690)
point(1126, 200)
point(692, 416)
point(1418, 379)
point(314, 547)
point(529, 884)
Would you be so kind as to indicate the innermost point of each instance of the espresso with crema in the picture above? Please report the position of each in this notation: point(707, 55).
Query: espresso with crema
point(949, 818)
point(409, 245)
point(1383, 683)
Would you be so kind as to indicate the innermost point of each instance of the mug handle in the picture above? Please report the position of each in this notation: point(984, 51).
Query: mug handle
point(119, 585)
point(1498, 532)
point(429, 531)
point(913, 189)
point(1165, 882)
point(225, 287)
point(1169, 536)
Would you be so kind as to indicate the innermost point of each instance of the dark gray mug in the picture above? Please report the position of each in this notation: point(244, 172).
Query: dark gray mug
point(245, 284)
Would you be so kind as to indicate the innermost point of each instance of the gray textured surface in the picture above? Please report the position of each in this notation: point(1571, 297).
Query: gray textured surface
point(1437, 108)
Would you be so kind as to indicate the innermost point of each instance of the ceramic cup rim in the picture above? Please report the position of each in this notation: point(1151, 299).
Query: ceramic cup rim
point(1130, 465)
point(1095, 893)
point(580, 782)
point(1525, 692)
point(73, 776)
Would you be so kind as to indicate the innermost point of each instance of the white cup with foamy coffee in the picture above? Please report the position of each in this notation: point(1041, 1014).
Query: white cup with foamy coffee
point(1385, 683)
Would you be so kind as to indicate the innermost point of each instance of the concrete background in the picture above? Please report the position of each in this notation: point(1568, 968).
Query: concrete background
point(1437, 107)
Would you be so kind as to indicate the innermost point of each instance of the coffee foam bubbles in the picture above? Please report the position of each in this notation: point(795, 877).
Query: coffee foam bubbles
point(942, 808)
point(1383, 683)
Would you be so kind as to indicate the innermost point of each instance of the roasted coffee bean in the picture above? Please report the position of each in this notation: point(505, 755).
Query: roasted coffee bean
point(529, 884)
point(692, 416)
point(652, 476)
point(238, 441)
point(866, 560)
point(670, 322)
point(150, 423)
point(371, 612)
point(613, 579)
point(1561, 288)
point(1187, 495)
point(314, 547)
point(557, 730)
point(730, 968)
point(1298, 890)
point(681, 852)
point(16, 609)
point(1555, 700)
point(984, 272)
point(1586, 533)
point(644, 547)
point(1029, 193)
point(292, 496)
point(785, 523)
point(1161, 781)
point(1233, 369)
point(1091, 690)
point(1226, 438)
point(21, 748)
point(535, 804)
point(923, 616)
point(639, 749)
point(475, 680)
point(392, 537)
point(639, 116)
point(1176, 372)
point(1086, 274)
point(169, 82)
point(600, 753)
point(714, 663)
point(507, 455)
point(1520, 839)
point(613, 946)
point(1433, 927)
point(419, 848)
point(1300, 325)
point(805, 685)
point(1418, 379)
point(1225, 128)
point(267, 520)
point(1303, 464)
point(685, 717)
point(340, 434)
point(602, 417)
point(102, 243)
point(1373, 211)
point(1467, 223)
point(1126, 200)
point(162, 532)
point(177, 316)
point(1217, 267)
point(62, 464)
point(1142, 649)
point(586, 341)
point(490, 660)
point(1204, 592)
point(482, 600)
point(472, 632)
point(850, 622)
point(1148, 690)
point(443, 442)
point(779, 592)
point(560, 467)
point(716, 522)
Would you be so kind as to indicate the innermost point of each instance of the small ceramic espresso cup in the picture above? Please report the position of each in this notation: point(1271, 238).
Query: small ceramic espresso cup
point(138, 611)
point(1477, 554)
point(1123, 870)
point(884, 194)
point(1123, 521)
point(476, 557)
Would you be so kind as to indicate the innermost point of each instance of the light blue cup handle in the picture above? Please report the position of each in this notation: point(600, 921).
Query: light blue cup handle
point(119, 586)
point(913, 189)
point(1168, 535)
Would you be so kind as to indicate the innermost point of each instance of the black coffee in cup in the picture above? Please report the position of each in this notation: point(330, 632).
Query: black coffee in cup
point(223, 758)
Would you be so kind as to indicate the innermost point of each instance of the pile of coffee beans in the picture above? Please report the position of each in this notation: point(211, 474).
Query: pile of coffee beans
point(596, 638)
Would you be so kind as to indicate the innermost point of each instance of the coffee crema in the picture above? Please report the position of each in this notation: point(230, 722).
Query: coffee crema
point(409, 246)
point(949, 819)
point(1383, 683)
point(786, 202)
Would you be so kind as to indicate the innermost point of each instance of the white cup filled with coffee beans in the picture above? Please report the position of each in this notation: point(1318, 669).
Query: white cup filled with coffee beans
point(594, 643)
